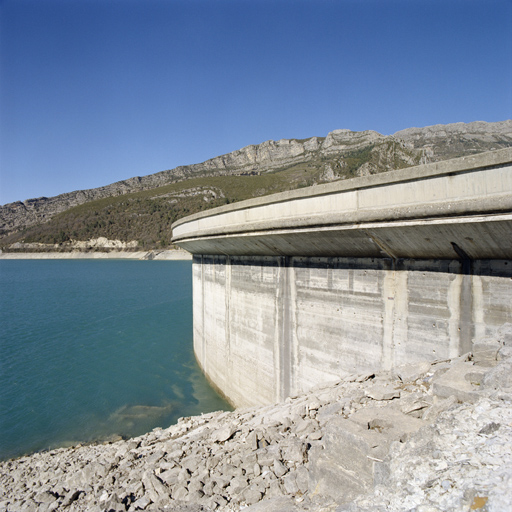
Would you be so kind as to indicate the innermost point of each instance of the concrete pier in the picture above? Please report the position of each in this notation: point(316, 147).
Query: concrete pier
point(306, 286)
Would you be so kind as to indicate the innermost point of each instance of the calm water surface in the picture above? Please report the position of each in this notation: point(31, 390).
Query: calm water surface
point(91, 349)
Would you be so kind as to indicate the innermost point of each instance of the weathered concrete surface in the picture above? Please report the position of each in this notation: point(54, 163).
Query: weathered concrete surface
point(268, 327)
point(301, 287)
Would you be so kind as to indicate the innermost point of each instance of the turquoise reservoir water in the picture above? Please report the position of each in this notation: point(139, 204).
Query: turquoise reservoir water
point(91, 349)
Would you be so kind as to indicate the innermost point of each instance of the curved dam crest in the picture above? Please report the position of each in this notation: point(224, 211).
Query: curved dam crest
point(300, 288)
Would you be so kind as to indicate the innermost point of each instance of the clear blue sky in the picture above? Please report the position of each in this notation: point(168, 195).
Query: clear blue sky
point(96, 91)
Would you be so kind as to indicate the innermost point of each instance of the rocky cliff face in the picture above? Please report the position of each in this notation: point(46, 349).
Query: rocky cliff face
point(341, 154)
point(441, 142)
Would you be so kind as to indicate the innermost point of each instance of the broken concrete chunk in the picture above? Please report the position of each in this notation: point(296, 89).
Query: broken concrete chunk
point(440, 405)
point(415, 404)
point(498, 377)
point(237, 485)
point(504, 334)
point(485, 351)
point(251, 496)
point(290, 484)
point(70, 497)
point(294, 451)
point(224, 433)
point(411, 372)
point(342, 468)
point(180, 493)
point(454, 383)
point(279, 468)
point(504, 352)
point(388, 421)
point(382, 392)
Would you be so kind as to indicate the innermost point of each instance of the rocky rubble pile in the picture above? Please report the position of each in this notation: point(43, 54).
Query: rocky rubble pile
point(426, 437)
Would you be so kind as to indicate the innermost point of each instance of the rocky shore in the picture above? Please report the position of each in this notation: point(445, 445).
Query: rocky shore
point(427, 437)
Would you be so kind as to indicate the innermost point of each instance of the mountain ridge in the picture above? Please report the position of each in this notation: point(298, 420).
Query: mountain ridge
point(340, 154)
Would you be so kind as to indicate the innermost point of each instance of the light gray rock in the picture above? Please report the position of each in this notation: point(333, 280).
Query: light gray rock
point(155, 489)
point(275, 489)
point(267, 455)
point(388, 421)
point(504, 334)
point(342, 468)
point(251, 496)
point(504, 353)
point(278, 504)
point(290, 484)
point(252, 441)
point(113, 503)
point(141, 503)
point(43, 497)
point(412, 372)
point(155, 457)
point(439, 405)
point(195, 496)
point(279, 468)
point(305, 427)
point(453, 382)
point(302, 479)
point(293, 450)
point(183, 475)
point(191, 463)
point(382, 392)
point(415, 403)
point(498, 377)
point(195, 485)
point(170, 476)
point(70, 497)
point(224, 433)
point(180, 493)
point(485, 351)
point(237, 485)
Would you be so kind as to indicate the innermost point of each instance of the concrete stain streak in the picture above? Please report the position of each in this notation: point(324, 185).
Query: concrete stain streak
point(272, 327)
point(310, 286)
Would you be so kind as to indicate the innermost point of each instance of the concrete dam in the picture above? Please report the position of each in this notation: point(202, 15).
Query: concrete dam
point(307, 286)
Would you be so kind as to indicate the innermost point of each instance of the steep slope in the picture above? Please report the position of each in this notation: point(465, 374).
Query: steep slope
point(118, 210)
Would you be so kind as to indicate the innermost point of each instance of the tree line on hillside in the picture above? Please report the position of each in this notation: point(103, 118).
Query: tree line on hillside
point(148, 221)
point(146, 216)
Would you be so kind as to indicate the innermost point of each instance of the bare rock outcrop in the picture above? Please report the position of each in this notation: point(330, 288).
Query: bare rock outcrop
point(335, 153)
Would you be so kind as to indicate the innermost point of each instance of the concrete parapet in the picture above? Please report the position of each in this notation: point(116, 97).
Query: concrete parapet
point(420, 212)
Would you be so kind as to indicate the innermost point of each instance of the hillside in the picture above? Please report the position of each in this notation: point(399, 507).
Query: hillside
point(139, 211)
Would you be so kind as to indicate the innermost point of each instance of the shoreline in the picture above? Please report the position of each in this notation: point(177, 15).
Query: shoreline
point(432, 435)
point(174, 254)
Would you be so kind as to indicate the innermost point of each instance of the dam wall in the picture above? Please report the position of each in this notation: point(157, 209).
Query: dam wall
point(308, 286)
